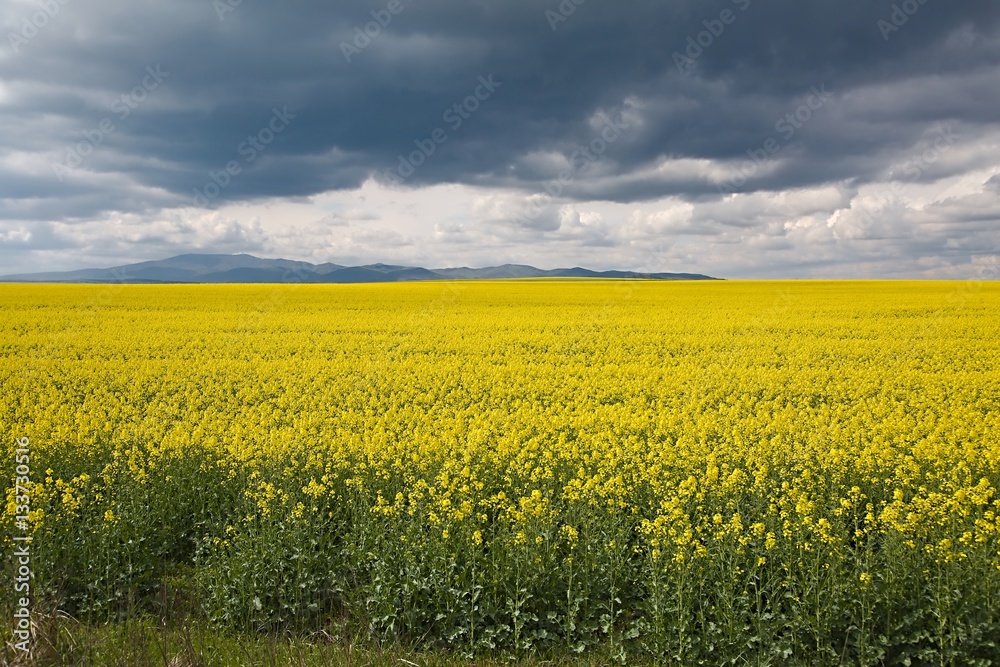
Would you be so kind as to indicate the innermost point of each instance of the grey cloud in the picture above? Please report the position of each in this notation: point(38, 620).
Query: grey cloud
point(685, 132)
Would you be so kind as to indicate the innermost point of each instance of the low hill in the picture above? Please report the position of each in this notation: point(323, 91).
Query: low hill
point(195, 268)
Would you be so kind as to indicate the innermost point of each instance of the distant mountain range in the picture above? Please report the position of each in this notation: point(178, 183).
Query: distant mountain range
point(250, 269)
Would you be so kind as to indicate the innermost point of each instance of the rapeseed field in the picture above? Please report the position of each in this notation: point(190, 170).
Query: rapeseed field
point(683, 473)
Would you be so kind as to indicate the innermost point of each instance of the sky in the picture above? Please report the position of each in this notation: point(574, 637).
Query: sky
point(736, 138)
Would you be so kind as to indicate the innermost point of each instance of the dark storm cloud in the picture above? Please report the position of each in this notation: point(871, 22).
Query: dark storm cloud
point(230, 67)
